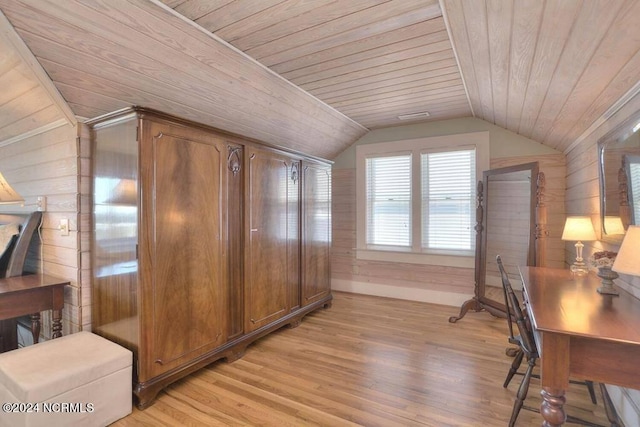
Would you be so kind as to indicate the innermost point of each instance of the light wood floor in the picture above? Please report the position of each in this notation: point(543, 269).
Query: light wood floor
point(366, 361)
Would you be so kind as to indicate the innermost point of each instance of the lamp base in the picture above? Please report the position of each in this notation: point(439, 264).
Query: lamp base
point(607, 275)
point(579, 268)
point(605, 290)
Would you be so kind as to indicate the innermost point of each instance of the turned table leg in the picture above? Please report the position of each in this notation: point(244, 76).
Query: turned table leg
point(552, 407)
point(56, 326)
point(554, 374)
point(35, 327)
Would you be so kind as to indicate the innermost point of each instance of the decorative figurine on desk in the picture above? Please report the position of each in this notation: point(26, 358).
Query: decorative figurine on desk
point(604, 261)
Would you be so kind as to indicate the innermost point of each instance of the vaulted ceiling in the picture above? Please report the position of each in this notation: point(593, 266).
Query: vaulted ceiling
point(315, 75)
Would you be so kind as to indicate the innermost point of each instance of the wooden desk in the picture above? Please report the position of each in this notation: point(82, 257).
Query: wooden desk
point(32, 294)
point(580, 333)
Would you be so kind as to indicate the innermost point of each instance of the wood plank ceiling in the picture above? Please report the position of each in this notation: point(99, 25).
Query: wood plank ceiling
point(547, 70)
point(373, 60)
point(107, 55)
point(25, 103)
point(543, 69)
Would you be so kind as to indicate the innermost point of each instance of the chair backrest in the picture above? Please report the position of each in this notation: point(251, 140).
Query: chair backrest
point(505, 282)
point(18, 256)
point(527, 339)
point(6, 255)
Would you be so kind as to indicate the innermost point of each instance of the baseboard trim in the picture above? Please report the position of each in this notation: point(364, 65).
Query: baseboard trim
point(399, 292)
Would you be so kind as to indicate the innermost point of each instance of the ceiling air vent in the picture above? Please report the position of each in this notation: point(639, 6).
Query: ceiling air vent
point(413, 115)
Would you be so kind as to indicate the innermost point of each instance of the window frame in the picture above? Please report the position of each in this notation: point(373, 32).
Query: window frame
point(415, 254)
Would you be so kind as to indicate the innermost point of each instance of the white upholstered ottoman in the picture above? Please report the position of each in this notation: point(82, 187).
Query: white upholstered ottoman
point(77, 380)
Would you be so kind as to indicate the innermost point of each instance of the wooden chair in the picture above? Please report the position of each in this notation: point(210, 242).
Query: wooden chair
point(527, 347)
point(12, 263)
point(513, 339)
point(13, 260)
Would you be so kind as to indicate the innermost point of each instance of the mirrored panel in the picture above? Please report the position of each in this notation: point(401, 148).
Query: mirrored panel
point(508, 233)
point(619, 167)
point(506, 226)
point(509, 227)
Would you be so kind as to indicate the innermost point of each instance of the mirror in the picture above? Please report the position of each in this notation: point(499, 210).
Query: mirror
point(506, 226)
point(619, 171)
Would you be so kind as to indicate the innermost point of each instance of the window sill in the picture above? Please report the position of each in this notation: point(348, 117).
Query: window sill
point(460, 261)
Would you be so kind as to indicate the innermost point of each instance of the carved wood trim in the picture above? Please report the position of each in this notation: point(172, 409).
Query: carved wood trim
point(474, 303)
point(479, 241)
point(233, 160)
point(623, 188)
point(541, 221)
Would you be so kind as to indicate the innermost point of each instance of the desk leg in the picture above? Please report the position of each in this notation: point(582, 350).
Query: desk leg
point(35, 327)
point(56, 326)
point(555, 378)
point(552, 408)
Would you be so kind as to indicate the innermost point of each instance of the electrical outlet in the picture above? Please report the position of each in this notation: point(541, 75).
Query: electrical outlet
point(64, 227)
point(41, 204)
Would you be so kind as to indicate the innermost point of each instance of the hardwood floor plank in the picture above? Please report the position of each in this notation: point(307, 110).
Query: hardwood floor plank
point(366, 361)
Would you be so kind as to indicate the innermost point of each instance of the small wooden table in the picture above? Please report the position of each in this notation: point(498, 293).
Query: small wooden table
point(32, 294)
point(580, 333)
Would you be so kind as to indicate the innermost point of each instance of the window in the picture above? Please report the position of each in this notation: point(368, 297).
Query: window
point(389, 200)
point(448, 199)
point(416, 198)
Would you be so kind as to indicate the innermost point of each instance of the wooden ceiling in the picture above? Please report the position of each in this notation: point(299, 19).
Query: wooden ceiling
point(107, 55)
point(314, 75)
point(27, 98)
point(372, 60)
point(546, 70)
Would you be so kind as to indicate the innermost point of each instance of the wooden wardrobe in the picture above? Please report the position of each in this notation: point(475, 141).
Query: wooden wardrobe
point(203, 242)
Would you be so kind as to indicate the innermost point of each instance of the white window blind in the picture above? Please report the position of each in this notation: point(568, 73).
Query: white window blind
point(634, 186)
point(388, 200)
point(447, 180)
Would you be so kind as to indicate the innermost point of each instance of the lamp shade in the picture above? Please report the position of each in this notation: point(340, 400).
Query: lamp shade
point(628, 258)
point(578, 228)
point(8, 194)
point(613, 225)
point(125, 193)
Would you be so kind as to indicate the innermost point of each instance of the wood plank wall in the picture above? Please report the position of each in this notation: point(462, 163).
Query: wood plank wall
point(47, 165)
point(85, 223)
point(507, 210)
point(345, 267)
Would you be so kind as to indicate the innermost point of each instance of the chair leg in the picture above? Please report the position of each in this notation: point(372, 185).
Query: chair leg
point(517, 360)
point(592, 392)
point(522, 392)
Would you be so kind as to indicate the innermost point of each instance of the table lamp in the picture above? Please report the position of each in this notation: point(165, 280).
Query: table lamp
point(613, 225)
point(578, 229)
point(7, 194)
point(125, 193)
point(628, 258)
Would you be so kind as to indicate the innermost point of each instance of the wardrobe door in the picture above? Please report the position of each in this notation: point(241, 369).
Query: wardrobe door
point(316, 231)
point(271, 238)
point(183, 259)
point(115, 292)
